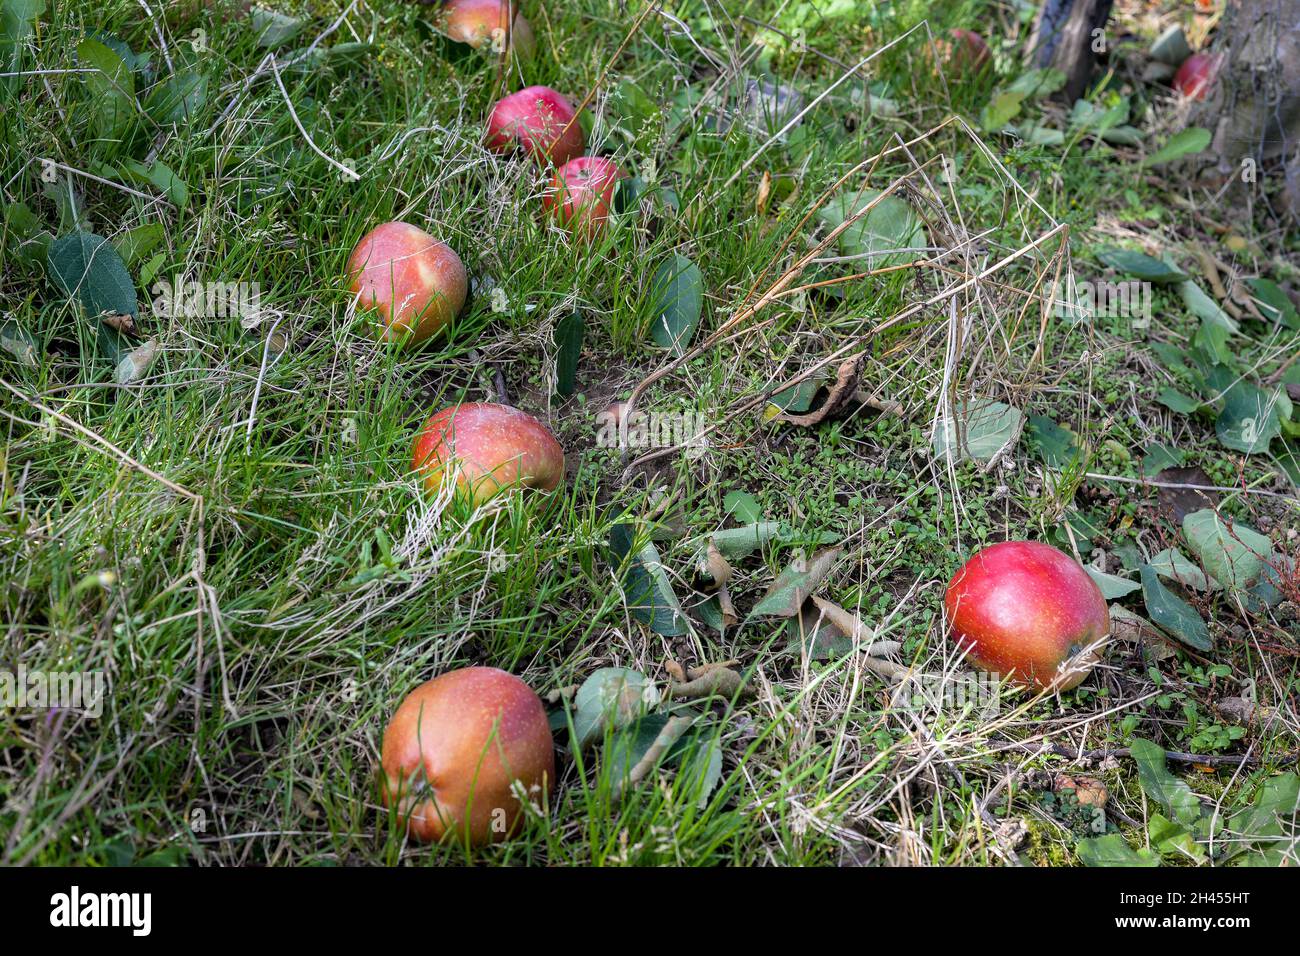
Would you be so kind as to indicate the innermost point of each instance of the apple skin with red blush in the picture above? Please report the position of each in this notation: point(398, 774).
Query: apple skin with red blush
point(1195, 77)
point(491, 24)
point(1028, 612)
point(538, 120)
point(487, 448)
point(581, 195)
point(454, 750)
point(415, 283)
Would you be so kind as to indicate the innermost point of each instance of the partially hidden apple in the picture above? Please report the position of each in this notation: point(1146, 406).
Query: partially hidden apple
point(414, 282)
point(581, 194)
point(1026, 611)
point(538, 119)
point(456, 747)
point(1196, 75)
point(488, 23)
point(487, 448)
point(968, 51)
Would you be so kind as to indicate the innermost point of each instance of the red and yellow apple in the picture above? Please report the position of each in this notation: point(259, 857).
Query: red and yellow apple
point(1196, 75)
point(488, 23)
point(581, 194)
point(1025, 610)
point(414, 282)
point(487, 448)
point(456, 747)
point(538, 119)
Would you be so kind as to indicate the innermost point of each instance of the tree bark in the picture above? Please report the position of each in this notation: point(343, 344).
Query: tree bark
point(1253, 106)
point(1062, 39)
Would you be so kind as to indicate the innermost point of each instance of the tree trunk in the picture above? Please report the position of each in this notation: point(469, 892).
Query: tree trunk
point(1063, 40)
point(1253, 106)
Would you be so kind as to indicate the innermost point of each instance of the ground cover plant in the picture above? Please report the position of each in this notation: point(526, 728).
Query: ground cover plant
point(818, 302)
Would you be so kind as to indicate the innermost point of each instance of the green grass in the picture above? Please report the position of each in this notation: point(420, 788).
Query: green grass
point(261, 614)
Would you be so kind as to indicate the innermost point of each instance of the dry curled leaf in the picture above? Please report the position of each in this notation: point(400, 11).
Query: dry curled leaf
point(707, 680)
point(764, 193)
point(841, 393)
point(714, 569)
point(122, 322)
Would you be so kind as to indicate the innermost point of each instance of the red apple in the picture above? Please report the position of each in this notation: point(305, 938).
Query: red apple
point(968, 51)
point(1030, 612)
point(488, 23)
point(488, 448)
point(582, 194)
point(416, 283)
point(1194, 77)
point(456, 747)
point(540, 120)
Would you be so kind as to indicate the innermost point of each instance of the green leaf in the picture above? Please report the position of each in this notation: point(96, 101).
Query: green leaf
point(1232, 553)
point(1036, 83)
point(988, 427)
point(111, 87)
point(274, 29)
point(1175, 566)
point(1175, 400)
point(1140, 266)
point(1173, 839)
point(677, 298)
point(568, 346)
point(1113, 587)
point(1160, 456)
point(134, 244)
point(1249, 419)
point(1276, 804)
point(702, 768)
point(1274, 303)
point(1113, 850)
point(1184, 143)
point(610, 697)
point(1055, 445)
point(646, 586)
point(795, 584)
point(19, 344)
point(159, 175)
point(1203, 307)
point(1162, 786)
point(177, 99)
point(87, 267)
point(1001, 110)
point(882, 235)
point(738, 543)
point(1172, 613)
point(742, 506)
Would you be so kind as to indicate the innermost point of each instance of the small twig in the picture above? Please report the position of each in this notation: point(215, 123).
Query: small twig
point(298, 123)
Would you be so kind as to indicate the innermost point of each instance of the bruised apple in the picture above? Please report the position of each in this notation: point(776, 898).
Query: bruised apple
point(538, 119)
point(415, 283)
point(1194, 77)
point(495, 24)
point(456, 747)
point(582, 193)
point(1027, 611)
point(488, 448)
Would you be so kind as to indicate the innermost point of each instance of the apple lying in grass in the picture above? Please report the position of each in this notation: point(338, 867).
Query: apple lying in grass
point(968, 51)
point(581, 194)
point(488, 23)
point(1027, 611)
point(539, 120)
point(454, 750)
point(414, 282)
point(488, 448)
point(1196, 75)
